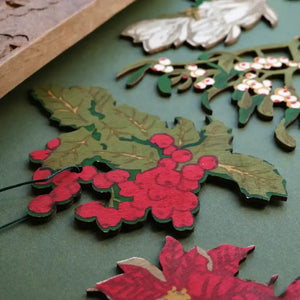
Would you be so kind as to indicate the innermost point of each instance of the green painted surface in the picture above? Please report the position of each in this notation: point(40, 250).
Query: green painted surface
point(60, 259)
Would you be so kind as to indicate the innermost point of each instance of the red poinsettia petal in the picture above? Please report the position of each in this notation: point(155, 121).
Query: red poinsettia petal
point(42, 204)
point(117, 175)
point(106, 216)
point(61, 194)
point(88, 173)
point(53, 144)
point(41, 174)
point(210, 286)
point(136, 283)
point(40, 155)
point(292, 291)
point(100, 182)
point(226, 258)
point(170, 257)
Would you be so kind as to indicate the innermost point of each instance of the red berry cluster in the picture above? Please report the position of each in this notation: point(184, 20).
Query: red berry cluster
point(167, 191)
point(66, 186)
point(41, 155)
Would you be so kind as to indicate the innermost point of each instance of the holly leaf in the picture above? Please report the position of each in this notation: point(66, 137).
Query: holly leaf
point(255, 177)
point(153, 166)
point(183, 272)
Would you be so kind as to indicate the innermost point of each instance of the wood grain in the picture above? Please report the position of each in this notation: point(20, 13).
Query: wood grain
point(33, 32)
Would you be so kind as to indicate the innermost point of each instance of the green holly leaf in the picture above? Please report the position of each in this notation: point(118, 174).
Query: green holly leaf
point(120, 137)
point(254, 177)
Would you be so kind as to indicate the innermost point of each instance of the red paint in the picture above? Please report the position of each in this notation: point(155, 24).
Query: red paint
point(197, 275)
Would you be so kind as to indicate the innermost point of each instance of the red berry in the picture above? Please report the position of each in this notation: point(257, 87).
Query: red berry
point(162, 140)
point(40, 154)
point(53, 144)
point(186, 185)
point(88, 173)
point(41, 174)
point(168, 178)
point(208, 162)
point(42, 204)
point(100, 181)
point(181, 156)
point(169, 150)
point(117, 175)
point(192, 172)
point(167, 163)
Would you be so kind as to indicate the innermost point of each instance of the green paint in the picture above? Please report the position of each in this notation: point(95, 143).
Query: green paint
point(121, 140)
point(137, 75)
point(164, 85)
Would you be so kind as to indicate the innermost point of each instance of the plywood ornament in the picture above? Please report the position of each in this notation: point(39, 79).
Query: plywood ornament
point(196, 274)
point(249, 81)
point(205, 25)
point(153, 168)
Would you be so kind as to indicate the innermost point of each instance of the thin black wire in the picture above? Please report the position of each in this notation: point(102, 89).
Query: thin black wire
point(75, 168)
point(26, 217)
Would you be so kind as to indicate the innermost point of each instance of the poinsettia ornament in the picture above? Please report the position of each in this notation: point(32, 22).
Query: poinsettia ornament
point(193, 275)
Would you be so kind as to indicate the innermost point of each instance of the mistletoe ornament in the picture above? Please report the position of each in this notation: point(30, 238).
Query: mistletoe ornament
point(193, 275)
point(250, 81)
point(149, 167)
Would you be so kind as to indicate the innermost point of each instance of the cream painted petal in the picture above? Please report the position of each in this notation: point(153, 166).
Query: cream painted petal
point(158, 34)
point(277, 98)
point(270, 15)
point(233, 35)
point(294, 104)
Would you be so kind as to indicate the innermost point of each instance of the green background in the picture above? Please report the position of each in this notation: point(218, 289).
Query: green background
point(60, 259)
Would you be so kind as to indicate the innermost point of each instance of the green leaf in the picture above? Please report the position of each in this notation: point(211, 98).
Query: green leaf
point(247, 106)
point(265, 108)
point(119, 136)
point(221, 80)
point(254, 177)
point(281, 136)
point(205, 56)
point(137, 76)
point(75, 147)
point(129, 155)
point(69, 107)
point(134, 66)
point(165, 85)
point(207, 97)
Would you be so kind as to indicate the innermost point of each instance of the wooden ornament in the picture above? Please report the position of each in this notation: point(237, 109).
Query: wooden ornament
point(196, 274)
point(205, 25)
point(30, 28)
point(151, 167)
point(249, 81)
